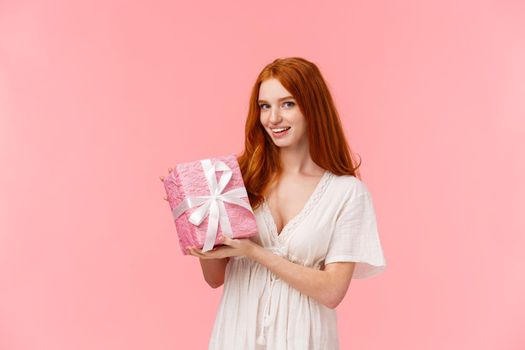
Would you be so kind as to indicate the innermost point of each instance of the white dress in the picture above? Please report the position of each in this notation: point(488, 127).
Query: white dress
point(257, 310)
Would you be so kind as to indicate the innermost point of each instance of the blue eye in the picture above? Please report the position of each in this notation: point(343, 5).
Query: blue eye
point(264, 104)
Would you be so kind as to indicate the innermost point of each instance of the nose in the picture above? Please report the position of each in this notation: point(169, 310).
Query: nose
point(275, 116)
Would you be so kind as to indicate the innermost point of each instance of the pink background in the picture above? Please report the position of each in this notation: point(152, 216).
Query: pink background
point(99, 98)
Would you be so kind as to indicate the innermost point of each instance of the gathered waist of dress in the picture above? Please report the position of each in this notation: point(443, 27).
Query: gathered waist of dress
point(289, 257)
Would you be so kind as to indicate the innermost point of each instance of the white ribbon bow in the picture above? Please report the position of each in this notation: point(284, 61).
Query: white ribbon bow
point(213, 204)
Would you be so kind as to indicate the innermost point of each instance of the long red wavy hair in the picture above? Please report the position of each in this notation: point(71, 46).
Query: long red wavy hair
point(260, 163)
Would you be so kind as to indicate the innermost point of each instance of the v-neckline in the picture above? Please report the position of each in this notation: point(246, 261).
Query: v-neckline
point(306, 207)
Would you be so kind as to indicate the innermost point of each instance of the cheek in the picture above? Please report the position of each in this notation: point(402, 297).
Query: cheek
point(298, 121)
point(263, 118)
point(296, 116)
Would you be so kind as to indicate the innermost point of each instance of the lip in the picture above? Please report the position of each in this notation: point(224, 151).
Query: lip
point(282, 134)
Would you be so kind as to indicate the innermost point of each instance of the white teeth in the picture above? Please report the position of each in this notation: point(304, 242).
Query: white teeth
point(281, 129)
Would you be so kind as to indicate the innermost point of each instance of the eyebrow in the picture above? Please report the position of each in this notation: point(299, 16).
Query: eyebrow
point(282, 98)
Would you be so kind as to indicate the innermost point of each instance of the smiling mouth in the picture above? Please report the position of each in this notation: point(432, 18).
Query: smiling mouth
point(280, 130)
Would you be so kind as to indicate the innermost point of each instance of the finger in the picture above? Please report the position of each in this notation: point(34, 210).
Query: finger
point(192, 251)
point(165, 198)
point(161, 178)
point(210, 254)
point(169, 170)
point(227, 240)
point(195, 251)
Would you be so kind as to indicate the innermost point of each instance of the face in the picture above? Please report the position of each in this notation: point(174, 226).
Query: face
point(279, 109)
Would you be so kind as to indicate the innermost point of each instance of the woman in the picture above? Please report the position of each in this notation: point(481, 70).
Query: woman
point(316, 221)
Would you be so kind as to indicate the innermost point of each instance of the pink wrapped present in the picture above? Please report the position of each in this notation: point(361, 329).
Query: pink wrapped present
point(207, 204)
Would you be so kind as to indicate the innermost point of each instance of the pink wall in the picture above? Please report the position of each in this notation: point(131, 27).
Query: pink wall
point(99, 98)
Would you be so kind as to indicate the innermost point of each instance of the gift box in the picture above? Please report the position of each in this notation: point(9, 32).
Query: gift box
point(208, 200)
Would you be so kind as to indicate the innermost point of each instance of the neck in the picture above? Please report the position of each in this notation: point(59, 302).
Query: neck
point(297, 161)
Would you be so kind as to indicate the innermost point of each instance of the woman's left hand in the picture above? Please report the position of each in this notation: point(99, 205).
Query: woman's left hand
point(231, 247)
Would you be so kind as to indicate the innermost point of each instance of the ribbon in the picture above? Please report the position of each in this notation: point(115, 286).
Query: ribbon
point(213, 205)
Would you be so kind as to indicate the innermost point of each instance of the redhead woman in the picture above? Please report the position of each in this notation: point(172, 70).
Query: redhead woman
point(315, 217)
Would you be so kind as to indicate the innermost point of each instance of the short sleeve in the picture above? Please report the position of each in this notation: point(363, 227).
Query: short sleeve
point(356, 237)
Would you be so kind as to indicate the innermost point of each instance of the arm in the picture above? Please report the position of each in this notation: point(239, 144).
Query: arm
point(328, 286)
point(213, 271)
